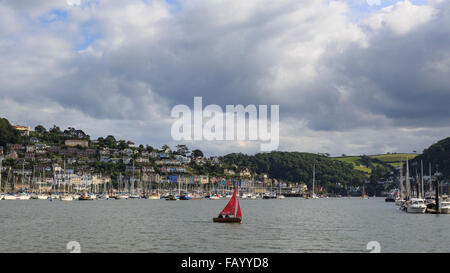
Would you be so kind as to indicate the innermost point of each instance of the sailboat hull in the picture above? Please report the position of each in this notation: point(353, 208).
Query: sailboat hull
point(227, 220)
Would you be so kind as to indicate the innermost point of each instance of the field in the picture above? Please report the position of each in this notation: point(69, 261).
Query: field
point(394, 159)
point(359, 163)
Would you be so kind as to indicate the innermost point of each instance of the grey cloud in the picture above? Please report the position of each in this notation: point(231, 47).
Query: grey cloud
point(306, 56)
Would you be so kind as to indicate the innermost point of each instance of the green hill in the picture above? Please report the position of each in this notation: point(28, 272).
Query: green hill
point(7, 133)
point(369, 163)
point(439, 156)
point(298, 167)
point(394, 159)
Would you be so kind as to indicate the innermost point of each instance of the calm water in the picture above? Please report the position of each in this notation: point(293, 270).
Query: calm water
point(289, 225)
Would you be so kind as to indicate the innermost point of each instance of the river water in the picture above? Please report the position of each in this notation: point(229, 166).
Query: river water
point(286, 225)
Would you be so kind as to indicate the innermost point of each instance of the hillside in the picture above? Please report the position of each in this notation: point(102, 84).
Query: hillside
point(7, 133)
point(369, 163)
point(439, 156)
point(298, 167)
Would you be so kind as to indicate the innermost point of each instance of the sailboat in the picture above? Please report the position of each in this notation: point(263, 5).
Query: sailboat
point(313, 195)
point(231, 214)
point(364, 195)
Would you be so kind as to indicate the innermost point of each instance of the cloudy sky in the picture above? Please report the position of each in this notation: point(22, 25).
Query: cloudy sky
point(350, 76)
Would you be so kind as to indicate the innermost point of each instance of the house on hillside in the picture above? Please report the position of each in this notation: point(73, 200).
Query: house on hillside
point(245, 173)
point(24, 130)
point(76, 142)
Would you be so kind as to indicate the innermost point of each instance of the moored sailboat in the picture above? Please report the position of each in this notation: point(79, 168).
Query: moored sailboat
point(229, 214)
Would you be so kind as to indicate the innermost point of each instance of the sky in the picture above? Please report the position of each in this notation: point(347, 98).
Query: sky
point(351, 77)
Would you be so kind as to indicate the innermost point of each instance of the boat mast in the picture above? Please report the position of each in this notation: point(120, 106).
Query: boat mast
point(119, 183)
point(431, 180)
point(33, 180)
point(314, 179)
point(1, 159)
point(401, 181)
point(23, 171)
point(279, 186)
point(64, 178)
point(408, 187)
point(421, 180)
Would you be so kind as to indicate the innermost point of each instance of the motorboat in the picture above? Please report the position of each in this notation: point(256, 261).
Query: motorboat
point(416, 205)
point(171, 198)
point(67, 198)
point(154, 196)
point(134, 196)
point(215, 197)
point(86, 197)
point(10, 197)
point(24, 196)
point(445, 207)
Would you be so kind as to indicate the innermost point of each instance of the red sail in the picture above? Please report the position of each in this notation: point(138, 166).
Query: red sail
point(230, 208)
point(239, 214)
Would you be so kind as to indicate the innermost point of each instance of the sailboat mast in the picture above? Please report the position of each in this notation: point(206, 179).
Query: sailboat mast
point(431, 182)
point(1, 159)
point(421, 175)
point(179, 186)
point(64, 177)
point(132, 181)
point(23, 171)
point(279, 187)
point(408, 187)
point(401, 181)
point(314, 179)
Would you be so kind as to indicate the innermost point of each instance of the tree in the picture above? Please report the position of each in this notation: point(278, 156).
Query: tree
point(182, 149)
point(40, 129)
point(8, 134)
point(149, 148)
point(55, 130)
point(110, 141)
point(165, 147)
point(197, 153)
point(122, 144)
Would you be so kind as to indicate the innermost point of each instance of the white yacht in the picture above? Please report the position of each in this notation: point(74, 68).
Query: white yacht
point(42, 196)
point(215, 197)
point(416, 205)
point(154, 196)
point(253, 196)
point(134, 196)
point(104, 196)
point(245, 195)
point(24, 196)
point(10, 197)
point(445, 207)
point(122, 196)
point(67, 198)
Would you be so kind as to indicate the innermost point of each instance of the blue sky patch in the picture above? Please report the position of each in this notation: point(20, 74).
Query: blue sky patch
point(54, 16)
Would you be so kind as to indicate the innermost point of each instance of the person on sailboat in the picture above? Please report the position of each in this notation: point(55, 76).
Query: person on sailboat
point(220, 215)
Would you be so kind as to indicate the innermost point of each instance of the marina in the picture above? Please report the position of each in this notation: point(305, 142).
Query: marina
point(289, 225)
